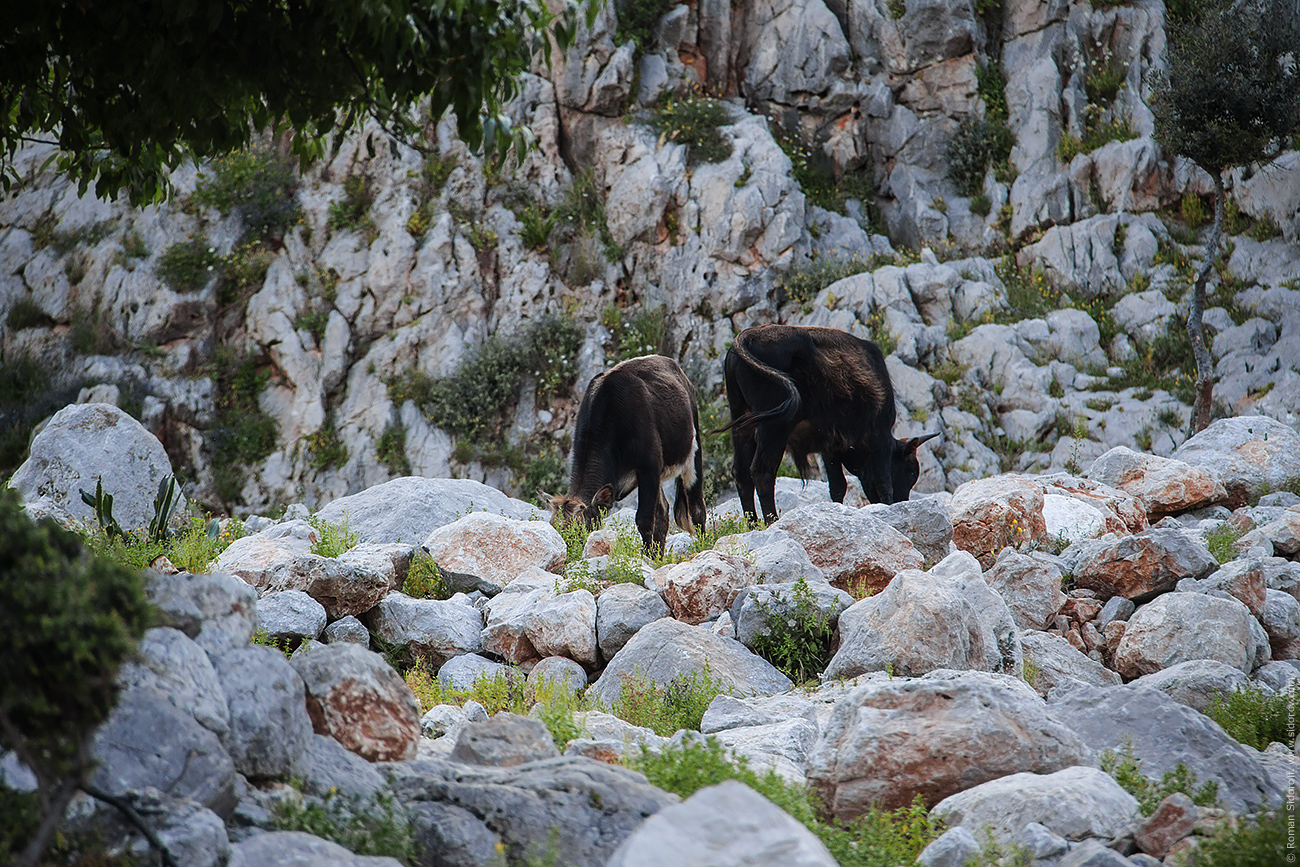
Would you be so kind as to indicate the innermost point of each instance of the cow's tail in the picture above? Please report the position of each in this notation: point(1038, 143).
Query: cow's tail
point(786, 409)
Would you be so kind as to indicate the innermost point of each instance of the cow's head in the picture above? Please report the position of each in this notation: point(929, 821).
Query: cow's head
point(904, 466)
point(567, 509)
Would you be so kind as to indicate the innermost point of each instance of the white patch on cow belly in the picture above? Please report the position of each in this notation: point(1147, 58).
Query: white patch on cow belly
point(685, 470)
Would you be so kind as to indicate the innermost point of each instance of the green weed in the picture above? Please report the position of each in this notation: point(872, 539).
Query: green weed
point(1255, 718)
point(797, 635)
point(331, 539)
point(390, 448)
point(376, 826)
point(1126, 768)
point(258, 183)
point(696, 122)
point(665, 709)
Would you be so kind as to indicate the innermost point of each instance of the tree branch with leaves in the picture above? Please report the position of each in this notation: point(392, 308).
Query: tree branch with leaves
point(1229, 97)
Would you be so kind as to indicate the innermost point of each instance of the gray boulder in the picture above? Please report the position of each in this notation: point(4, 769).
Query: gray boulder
point(290, 614)
point(1196, 682)
point(218, 611)
point(348, 629)
point(1252, 455)
point(561, 672)
point(669, 649)
point(461, 672)
point(1051, 661)
point(435, 629)
point(269, 727)
point(729, 712)
point(727, 825)
point(1162, 734)
point(1277, 675)
point(1029, 584)
point(409, 508)
point(893, 739)
point(1281, 621)
point(776, 556)
point(193, 834)
point(924, 621)
point(178, 668)
point(453, 836)
point(91, 442)
point(1075, 803)
point(299, 849)
point(1138, 567)
point(781, 746)
point(955, 847)
point(148, 742)
point(325, 765)
point(927, 521)
point(572, 809)
point(621, 610)
point(1178, 627)
point(503, 741)
point(1093, 853)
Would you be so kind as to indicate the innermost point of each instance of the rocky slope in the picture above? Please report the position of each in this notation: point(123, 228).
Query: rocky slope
point(1024, 631)
point(283, 335)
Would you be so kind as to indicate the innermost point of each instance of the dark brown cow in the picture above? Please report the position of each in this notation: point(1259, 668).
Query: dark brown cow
point(637, 427)
point(814, 390)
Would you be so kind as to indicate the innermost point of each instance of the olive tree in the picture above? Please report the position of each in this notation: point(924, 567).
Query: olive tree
point(1229, 97)
point(68, 620)
point(132, 88)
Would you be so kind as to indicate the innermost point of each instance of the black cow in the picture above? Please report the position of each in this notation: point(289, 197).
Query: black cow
point(638, 426)
point(814, 390)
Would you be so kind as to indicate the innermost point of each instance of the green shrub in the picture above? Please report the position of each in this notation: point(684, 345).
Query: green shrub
point(665, 709)
point(1221, 539)
point(189, 265)
point(1126, 768)
point(390, 448)
point(331, 539)
point(424, 580)
point(815, 174)
point(696, 122)
point(377, 825)
point(61, 644)
point(326, 448)
point(796, 635)
point(1097, 131)
point(536, 225)
point(1167, 362)
point(259, 183)
point(637, 20)
point(353, 210)
point(242, 433)
point(980, 205)
point(1255, 718)
point(877, 839)
point(641, 333)
point(801, 284)
point(977, 144)
point(26, 313)
point(435, 172)
point(243, 272)
point(314, 322)
point(1265, 839)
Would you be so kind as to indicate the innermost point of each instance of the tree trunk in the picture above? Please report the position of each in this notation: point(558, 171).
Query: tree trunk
point(1200, 417)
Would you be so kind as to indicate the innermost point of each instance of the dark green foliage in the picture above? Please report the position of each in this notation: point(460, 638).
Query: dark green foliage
point(20, 813)
point(326, 447)
point(797, 635)
point(314, 323)
point(27, 396)
point(802, 283)
point(471, 402)
point(815, 174)
point(391, 449)
point(1266, 839)
point(640, 333)
point(26, 313)
point(878, 839)
point(260, 184)
point(1126, 768)
point(1221, 538)
point(1255, 718)
point(134, 88)
point(68, 621)
point(242, 432)
point(188, 266)
point(696, 122)
point(377, 825)
point(582, 214)
point(536, 225)
point(353, 210)
point(977, 144)
point(1230, 95)
point(637, 20)
point(665, 709)
point(1166, 362)
point(102, 503)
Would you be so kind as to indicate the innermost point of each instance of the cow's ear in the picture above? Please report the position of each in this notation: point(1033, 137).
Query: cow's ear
point(915, 442)
point(604, 497)
point(543, 497)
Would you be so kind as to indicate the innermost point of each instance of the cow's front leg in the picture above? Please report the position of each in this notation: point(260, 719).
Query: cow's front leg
point(650, 502)
point(834, 467)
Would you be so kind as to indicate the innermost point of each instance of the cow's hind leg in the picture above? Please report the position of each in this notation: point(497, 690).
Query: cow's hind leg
point(743, 449)
point(769, 441)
